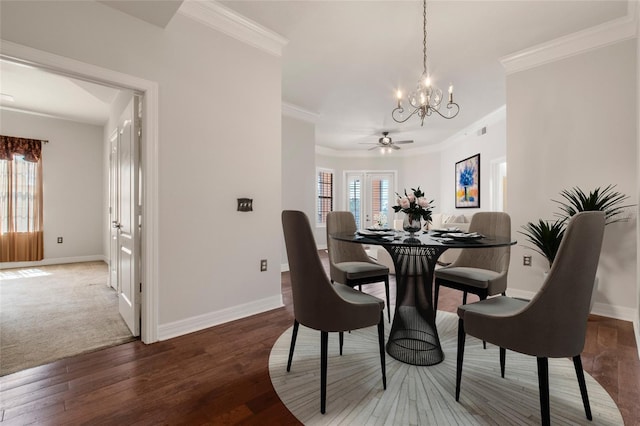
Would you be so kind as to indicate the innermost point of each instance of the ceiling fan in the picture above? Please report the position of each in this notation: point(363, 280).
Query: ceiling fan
point(385, 142)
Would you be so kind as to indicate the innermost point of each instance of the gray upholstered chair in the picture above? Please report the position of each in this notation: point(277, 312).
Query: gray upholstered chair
point(479, 271)
point(348, 262)
point(321, 305)
point(553, 324)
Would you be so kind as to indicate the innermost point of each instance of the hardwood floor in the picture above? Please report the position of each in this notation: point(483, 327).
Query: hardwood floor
point(220, 376)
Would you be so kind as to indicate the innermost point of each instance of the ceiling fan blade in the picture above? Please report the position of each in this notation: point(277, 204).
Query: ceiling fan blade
point(372, 148)
point(368, 143)
point(400, 142)
point(393, 145)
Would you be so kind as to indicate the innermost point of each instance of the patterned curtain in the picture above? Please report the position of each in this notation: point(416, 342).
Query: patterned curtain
point(21, 234)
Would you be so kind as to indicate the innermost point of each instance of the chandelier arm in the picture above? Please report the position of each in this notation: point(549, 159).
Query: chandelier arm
point(450, 106)
point(400, 110)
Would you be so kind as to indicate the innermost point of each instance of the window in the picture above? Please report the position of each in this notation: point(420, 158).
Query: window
point(324, 191)
point(21, 237)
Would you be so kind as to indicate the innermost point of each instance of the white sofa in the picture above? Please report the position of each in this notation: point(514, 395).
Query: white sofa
point(439, 221)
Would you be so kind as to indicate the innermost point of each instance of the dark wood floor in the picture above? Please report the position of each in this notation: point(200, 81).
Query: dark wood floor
point(220, 376)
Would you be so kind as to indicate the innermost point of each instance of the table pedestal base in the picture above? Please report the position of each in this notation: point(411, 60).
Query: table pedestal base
point(413, 338)
point(414, 341)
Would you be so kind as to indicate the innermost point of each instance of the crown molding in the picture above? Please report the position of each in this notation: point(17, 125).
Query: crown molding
point(294, 111)
point(602, 35)
point(229, 22)
point(493, 117)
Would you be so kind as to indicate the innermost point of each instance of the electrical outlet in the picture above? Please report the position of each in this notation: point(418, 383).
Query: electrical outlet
point(59, 240)
point(526, 260)
point(263, 265)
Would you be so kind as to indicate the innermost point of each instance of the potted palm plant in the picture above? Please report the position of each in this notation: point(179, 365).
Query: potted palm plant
point(546, 235)
point(602, 199)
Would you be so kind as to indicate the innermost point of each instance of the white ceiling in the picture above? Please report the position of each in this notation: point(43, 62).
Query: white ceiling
point(38, 91)
point(345, 60)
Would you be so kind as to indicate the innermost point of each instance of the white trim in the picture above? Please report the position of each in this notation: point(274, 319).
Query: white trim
point(211, 319)
point(54, 261)
point(56, 116)
point(284, 267)
point(229, 22)
point(61, 64)
point(603, 309)
point(602, 35)
point(294, 111)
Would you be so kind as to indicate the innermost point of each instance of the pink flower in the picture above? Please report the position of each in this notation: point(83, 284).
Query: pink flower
point(404, 202)
point(411, 197)
point(423, 202)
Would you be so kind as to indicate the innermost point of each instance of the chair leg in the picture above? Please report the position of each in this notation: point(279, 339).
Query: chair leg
point(577, 362)
point(461, 339)
point(484, 344)
point(382, 356)
point(341, 338)
point(386, 290)
point(436, 294)
point(543, 385)
point(464, 298)
point(324, 343)
point(503, 356)
point(296, 324)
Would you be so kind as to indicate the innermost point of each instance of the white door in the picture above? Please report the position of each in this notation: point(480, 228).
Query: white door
point(370, 197)
point(129, 215)
point(379, 200)
point(113, 210)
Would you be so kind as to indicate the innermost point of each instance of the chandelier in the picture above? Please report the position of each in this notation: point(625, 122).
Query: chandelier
point(426, 99)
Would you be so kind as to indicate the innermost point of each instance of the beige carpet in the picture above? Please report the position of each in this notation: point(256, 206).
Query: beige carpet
point(52, 312)
point(425, 395)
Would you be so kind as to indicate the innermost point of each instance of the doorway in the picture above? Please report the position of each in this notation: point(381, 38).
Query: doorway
point(148, 156)
point(369, 197)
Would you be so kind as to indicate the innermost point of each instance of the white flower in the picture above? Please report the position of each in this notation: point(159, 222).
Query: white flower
point(411, 197)
point(423, 202)
point(404, 202)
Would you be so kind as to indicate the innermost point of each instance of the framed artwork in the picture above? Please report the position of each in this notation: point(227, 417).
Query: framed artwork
point(468, 182)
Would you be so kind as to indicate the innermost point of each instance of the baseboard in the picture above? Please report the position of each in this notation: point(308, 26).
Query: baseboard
point(54, 261)
point(602, 309)
point(636, 327)
point(200, 322)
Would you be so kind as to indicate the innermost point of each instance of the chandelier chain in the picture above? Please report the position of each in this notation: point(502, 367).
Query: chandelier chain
point(424, 37)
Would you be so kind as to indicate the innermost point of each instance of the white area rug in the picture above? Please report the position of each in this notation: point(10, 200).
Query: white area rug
point(426, 395)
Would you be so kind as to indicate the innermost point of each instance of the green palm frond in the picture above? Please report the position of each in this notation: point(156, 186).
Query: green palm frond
point(600, 199)
point(545, 236)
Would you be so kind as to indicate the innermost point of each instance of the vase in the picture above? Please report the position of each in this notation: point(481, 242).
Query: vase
point(411, 224)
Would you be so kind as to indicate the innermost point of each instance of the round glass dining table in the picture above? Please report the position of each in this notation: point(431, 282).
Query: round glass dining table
point(413, 338)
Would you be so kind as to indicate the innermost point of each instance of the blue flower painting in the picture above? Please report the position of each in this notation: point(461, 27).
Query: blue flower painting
point(468, 182)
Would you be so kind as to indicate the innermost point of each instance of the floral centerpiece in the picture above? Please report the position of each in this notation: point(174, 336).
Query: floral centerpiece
point(416, 207)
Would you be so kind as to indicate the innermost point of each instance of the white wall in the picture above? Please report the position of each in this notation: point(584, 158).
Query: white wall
point(298, 173)
point(573, 123)
point(492, 145)
point(72, 183)
point(211, 149)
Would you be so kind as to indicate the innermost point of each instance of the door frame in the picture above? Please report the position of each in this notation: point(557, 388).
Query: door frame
point(149, 158)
